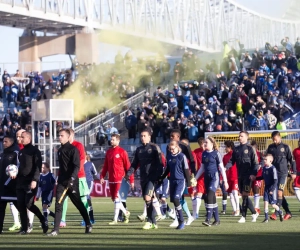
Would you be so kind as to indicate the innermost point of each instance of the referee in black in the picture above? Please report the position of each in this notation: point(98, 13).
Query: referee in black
point(282, 157)
point(27, 182)
point(245, 158)
point(68, 182)
point(148, 158)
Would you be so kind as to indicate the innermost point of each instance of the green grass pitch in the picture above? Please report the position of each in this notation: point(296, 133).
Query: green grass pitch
point(229, 235)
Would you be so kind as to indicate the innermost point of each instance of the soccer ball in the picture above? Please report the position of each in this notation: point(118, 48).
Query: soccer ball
point(11, 170)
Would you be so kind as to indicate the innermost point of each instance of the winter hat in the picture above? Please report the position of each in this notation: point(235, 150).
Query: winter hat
point(210, 99)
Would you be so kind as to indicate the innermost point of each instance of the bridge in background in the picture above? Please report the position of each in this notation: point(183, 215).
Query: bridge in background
point(196, 24)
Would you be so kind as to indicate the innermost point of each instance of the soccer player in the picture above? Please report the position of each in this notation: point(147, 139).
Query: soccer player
point(186, 150)
point(256, 185)
point(269, 175)
point(282, 156)
point(211, 165)
point(162, 193)
point(232, 178)
point(245, 158)
point(148, 158)
point(178, 168)
point(90, 172)
point(83, 187)
point(14, 211)
point(296, 154)
point(116, 163)
point(68, 181)
point(200, 188)
point(27, 182)
point(45, 190)
point(7, 184)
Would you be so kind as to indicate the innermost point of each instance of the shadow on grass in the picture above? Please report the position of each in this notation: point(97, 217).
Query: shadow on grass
point(155, 241)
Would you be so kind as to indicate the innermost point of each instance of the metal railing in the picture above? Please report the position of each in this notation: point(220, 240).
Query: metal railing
point(86, 133)
point(109, 113)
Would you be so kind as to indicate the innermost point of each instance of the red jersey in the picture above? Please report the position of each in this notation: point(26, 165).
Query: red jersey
point(259, 173)
point(116, 164)
point(197, 153)
point(231, 173)
point(296, 154)
point(81, 150)
point(21, 146)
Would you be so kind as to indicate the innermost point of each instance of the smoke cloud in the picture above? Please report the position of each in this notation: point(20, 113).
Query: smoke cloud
point(136, 71)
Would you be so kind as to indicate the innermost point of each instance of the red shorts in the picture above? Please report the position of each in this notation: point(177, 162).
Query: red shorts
point(256, 184)
point(297, 182)
point(232, 185)
point(114, 190)
point(200, 185)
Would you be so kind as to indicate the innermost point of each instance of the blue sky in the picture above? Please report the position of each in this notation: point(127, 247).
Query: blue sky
point(9, 41)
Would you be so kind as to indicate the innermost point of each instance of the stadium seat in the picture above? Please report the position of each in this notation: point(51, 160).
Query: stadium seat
point(130, 141)
point(124, 142)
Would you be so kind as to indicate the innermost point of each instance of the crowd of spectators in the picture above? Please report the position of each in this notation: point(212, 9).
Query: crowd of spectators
point(253, 91)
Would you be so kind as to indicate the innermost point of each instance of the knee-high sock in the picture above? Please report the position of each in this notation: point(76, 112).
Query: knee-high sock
point(233, 203)
point(117, 209)
point(237, 199)
point(151, 217)
point(285, 205)
point(163, 208)
point(194, 206)
point(15, 213)
point(179, 214)
point(216, 212)
point(256, 200)
point(156, 206)
point(224, 204)
point(30, 217)
point(297, 192)
point(91, 212)
point(85, 202)
point(185, 208)
point(145, 210)
point(45, 212)
point(65, 208)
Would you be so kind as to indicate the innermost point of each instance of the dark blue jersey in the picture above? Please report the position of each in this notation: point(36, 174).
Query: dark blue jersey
point(47, 182)
point(90, 171)
point(176, 165)
point(211, 161)
point(269, 175)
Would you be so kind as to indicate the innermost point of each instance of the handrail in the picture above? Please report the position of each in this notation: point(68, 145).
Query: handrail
point(102, 115)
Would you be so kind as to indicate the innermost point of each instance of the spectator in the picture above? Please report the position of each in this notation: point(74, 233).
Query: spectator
point(281, 124)
point(130, 124)
point(110, 131)
point(271, 120)
point(192, 132)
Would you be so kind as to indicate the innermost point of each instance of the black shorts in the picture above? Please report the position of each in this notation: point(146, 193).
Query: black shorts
point(148, 188)
point(245, 184)
point(281, 182)
point(47, 197)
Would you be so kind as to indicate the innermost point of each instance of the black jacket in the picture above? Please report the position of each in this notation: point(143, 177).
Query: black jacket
point(69, 163)
point(30, 165)
point(148, 158)
point(7, 185)
point(246, 160)
point(282, 156)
